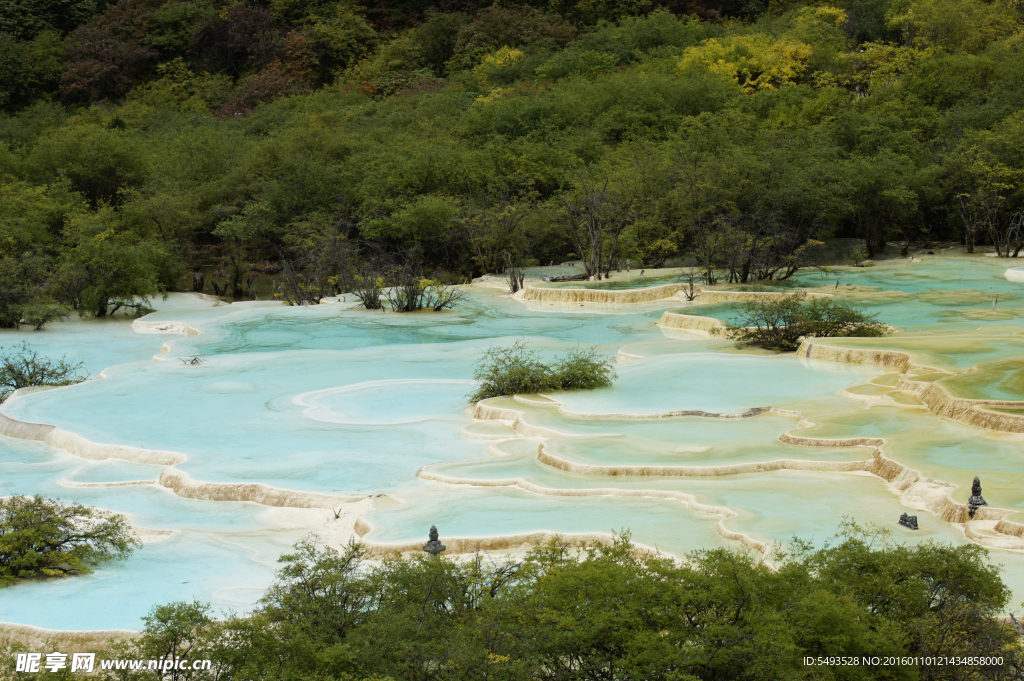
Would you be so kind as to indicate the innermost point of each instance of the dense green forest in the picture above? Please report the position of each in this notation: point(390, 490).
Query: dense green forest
point(153, 145)
point(606, 613)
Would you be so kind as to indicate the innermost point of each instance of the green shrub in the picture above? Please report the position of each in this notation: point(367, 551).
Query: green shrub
point(25, 368)
point(47, 538)
point(780, 323)
point(582, 369)
point(518, 370)
point(575, 63)
point(825, 318)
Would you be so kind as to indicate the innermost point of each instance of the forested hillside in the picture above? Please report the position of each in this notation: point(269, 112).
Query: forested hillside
point(320, 142)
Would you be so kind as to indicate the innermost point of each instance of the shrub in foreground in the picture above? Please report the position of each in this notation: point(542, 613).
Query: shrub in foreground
point(47, 538)
point(518, 370)
point(780, 323)
point(607, 613)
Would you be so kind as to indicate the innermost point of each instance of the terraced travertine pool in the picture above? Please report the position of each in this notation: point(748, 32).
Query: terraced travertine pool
point(344, 422)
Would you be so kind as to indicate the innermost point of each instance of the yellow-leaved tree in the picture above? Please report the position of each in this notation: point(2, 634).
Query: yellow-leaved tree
point(756, 62)
point(497, 64)
point(954, 25)
point(876, 66)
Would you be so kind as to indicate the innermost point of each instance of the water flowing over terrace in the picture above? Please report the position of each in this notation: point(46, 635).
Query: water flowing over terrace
point(352, 423)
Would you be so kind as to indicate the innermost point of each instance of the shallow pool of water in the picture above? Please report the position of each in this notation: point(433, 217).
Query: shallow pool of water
point(342, 402)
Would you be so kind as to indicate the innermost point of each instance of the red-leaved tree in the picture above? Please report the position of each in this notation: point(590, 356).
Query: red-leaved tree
point(291, 74)
point(244, 39)
point(102, 65)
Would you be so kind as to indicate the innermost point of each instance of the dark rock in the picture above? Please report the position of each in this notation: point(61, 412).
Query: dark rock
point(434, 547)
point(908, 521)
point(976, 501)
point(566, 277)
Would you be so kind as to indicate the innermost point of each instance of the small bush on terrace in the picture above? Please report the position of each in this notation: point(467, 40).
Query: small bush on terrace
point(780, 323)
point(518, 370)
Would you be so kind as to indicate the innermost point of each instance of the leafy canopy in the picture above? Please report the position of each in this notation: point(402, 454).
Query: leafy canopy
point(612, 611)
point(780, 322)
point(42, 537)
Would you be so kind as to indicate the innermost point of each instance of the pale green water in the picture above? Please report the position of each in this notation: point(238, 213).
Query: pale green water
point(941, 449)
point(941, 292)
point(335, 400)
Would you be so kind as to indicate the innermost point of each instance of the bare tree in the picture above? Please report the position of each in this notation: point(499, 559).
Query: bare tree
point(690, 292)
point(710, 248)
point(491, 222)
point(368, 287)
point(407, 285)
point(1020, 239)
point(1004, 229)
point(411, 291)
point(596, 218)
point(982, 186)
point(972, 215)
point(317, 270)
point(23, 367)
point(320, 258)
point(438, 296)
point(250, 286)
point(514, 275)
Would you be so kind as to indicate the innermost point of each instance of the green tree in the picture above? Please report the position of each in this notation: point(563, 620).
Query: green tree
point(954, 26)
point(241, 232)
point(345, 37)
point(29, 69)
point(26, 292)
point(96, 161)
point(609, 611)
point(883, 196)
point(26, 20)
point(48, 538)
point(780, 322)
point(108, 267)
point(26, 368)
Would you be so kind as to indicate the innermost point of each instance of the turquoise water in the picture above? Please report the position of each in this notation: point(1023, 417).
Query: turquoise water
point(484, 315)
point(946, 270)
point(222, 552)
point(230, 572)
point(770, 507)
point(714, 383)
point(101, 343)
point(940, 449)
point(476, 512)
point(942, 292)
point(340, 401)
